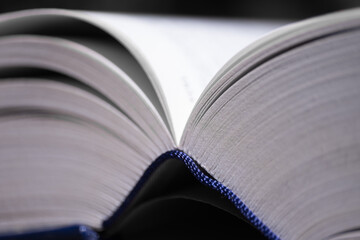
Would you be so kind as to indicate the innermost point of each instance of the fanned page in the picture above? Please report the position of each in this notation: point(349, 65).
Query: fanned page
point(182, 54)
point(86, 103)
point(179, 55)
point(77, 131)
point(93, 106)
point(280, 127)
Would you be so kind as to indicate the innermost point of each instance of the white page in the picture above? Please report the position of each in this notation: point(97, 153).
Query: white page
point(182, 54)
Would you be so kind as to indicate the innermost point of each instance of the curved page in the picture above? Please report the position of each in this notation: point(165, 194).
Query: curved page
point(280, 128)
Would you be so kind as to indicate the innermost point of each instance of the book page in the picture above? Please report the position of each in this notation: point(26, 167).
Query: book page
point(81, 34)
point(280, 128)
point(180, 54)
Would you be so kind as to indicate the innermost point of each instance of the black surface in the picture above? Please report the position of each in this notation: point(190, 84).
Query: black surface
point(296, 9)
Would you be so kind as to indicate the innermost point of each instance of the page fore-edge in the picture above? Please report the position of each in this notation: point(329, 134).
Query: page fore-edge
point(205, 179)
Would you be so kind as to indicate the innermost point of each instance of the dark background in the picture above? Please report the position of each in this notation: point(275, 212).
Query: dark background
point(297, 9)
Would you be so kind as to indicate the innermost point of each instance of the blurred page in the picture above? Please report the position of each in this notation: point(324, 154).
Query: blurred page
point(183, 54)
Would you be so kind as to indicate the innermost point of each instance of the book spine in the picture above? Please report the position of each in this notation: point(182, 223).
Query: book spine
point(205, 179)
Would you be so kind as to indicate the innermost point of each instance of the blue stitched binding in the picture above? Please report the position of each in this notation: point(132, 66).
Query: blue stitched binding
point(204, 179)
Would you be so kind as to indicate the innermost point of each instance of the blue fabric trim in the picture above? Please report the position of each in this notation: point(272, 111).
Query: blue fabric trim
point(204, 179)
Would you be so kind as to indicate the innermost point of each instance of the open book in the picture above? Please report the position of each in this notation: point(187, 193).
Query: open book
point(133, 127)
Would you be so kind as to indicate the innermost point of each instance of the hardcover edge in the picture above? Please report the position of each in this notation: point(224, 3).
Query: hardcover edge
point(74, 232)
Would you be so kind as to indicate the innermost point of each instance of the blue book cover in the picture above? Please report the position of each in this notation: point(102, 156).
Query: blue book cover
point(75, 232)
